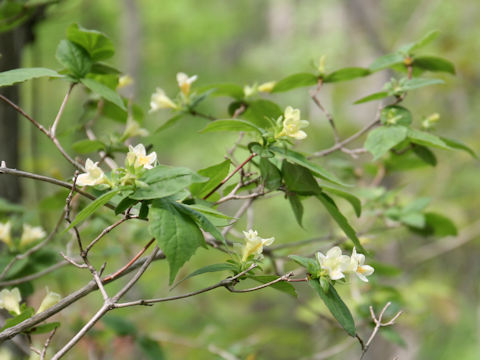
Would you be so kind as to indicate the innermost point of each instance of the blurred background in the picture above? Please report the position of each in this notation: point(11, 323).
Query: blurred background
point(434, 281)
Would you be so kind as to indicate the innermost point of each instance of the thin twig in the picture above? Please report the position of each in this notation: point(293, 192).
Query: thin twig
point(316, 100)
point(53, 129)
point(230, 176)
point(47, 343)
point(106, 231)
point(281, 278)
point(378, 325)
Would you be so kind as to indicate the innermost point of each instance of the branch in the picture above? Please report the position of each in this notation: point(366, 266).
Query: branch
point(316, 100)
point(53, 129)
point(285, 277)
point(378, 325)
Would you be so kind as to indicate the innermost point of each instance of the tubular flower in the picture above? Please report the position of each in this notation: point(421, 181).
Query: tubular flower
point(5, 233)
point(357, 266)
point(292, 124)
point(124, 81)
point(48, 301)
point(267, 87)
point(10, 300)
point(160, 100)
point(334, 263)
point(254, 245)
point(31, 234)
point(185, 82)
point(133, 129)
point(250, 90)
point(93, 176)
point(137, 157)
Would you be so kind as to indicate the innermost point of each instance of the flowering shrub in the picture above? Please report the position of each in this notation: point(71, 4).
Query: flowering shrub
point(181, 208)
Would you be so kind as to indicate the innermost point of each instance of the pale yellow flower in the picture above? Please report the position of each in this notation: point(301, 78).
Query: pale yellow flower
point(185, 82)
point(137, 157)
point(124, 81)
point(334, 263)
point(357, 266)
point(31, 234)
point(10, 300)
point(5, 233)
point(249, 90)
point(292, 124)
point(48, 301)
point(93, 176)
point(254, 245)
point(160, 100)
point(133, 129)
point(267, 87)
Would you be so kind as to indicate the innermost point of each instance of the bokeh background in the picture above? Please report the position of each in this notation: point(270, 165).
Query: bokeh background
point(435, 281)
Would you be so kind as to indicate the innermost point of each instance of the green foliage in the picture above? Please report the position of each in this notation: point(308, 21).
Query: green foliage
point(104, 91)
point(208, 269)
point(232, 125)
point(75, 58)
point(280, 286)
point(336, 306)
point(295, 81)
point(11, 77)
point(177, 234)
point(97, 44)
point(215, 175)
point(384, 138)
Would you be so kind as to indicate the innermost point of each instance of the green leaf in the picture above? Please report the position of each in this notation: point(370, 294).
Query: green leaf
point(124, 204)
point(74, 58)
point(341, 220)
point(271, 175)
point(151, 348)
point(386, 61)
point(433, 63)
point(202, 221)
point(346, 74)
point(295, 81)
point(426, 139)
point(371, 97)
point(215, 173)
point(441, 225)
point(104, 69)
point(94, 206)
point(299, 159)
point(104, 91)
point(11, 77)
point(43, 328)
point(382, 139)
point(97, 44)
point(455, 144)
point(207, 269)
point(24, 315)
point(416, 83)
point(281, 285)
point(336, 306)
point(311, 265)
point(413, 219)
point(120, 326)
point(232, 90)
point(177, 234)
point(352, 199)
point(297, 207)
point(231, 125)
point(165, 181)
point(299, 179)
point(425, 154)
point(87, 146)
point(395, 115)
point(170, 122)
point(425, 40)
point(259, 111)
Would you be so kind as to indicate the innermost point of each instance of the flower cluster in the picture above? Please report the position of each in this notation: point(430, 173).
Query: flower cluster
point(336, 265)
point(136, 162)
point(30, 234)
point(10, 300)
point(254, 245)
point(292, 124)
point(160, 100)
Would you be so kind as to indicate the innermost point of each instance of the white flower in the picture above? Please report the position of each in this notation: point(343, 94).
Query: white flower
point(334, 263)
point(185, 82)
point(49, 300)
point(250, 90)
point(31, 234)
point(160, 100)
point(357, 266)
point(292, 124)
point(267, 87)
point(10, 300)
point(137, 157)
point(5, 233)
point(93, 176)
point(124, 81)
point(254, 245)
point(133, 129)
